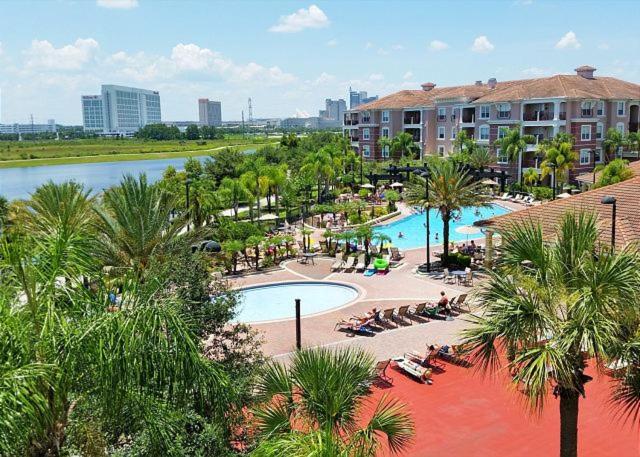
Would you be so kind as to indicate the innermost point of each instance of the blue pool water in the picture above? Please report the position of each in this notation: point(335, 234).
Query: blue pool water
point(277, 301)
point(415, 233)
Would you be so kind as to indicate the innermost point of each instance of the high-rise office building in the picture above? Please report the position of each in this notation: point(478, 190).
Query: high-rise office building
point(124, 109)
point(209, 112)
point(359, 98)
point(333, 113)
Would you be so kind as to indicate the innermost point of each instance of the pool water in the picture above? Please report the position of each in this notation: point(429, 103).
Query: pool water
point(277, 301)
point(415, 233)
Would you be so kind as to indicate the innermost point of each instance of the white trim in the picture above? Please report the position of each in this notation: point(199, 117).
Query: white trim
point(382, 132)
point(441, 128)
point(480, 130)
point(488, 107)
point(366, 133)
point(585, 153)
point(501, 162)
point(598, 158)
point(366, 150)
point(599, 131)
point(584, 137)
point(453, 133)
point(382, 116)
point(601, 104)
point(441, 150)
point(618, 108)
point(620, 127)
point(443, 109)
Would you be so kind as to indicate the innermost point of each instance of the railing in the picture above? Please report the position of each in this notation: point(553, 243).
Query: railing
point(366, 120)
point(586, 112)
point(538, 116)
point(412, 120)
point(504, 114)
point(354, 139)
point(351, 122)
point(468, 119)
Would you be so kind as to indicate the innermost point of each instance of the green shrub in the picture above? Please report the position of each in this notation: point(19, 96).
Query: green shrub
point(542, 193)
point(459, 259)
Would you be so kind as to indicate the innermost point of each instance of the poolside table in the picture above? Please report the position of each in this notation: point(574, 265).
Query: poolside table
point(459, 274)
point(309, 257)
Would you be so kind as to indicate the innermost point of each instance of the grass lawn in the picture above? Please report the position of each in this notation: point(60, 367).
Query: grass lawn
point(32, 154)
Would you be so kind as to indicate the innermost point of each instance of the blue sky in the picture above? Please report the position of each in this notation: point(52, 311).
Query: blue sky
point(289, 56)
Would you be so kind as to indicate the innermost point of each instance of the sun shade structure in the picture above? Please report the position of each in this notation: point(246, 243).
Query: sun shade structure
point(268, 217)
point(564, 195)
point(468, 230)
point(367, 186)
point(490, 182)
point(397, 184)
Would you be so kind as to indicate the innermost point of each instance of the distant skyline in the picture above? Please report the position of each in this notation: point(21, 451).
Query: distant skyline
point(290, 56)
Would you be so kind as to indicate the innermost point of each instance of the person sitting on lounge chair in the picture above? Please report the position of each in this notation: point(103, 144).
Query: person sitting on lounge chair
point(373, 314)
point(443, 303)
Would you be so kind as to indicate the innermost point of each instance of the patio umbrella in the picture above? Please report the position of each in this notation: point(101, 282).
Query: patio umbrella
point(564, 195)
point(397, 184)
point(367, 186)
point(268, 217)
point(490, 182)
point(468, 230)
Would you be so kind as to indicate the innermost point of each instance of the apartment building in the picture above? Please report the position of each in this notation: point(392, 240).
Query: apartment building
point(209, 112)
point(582, 104)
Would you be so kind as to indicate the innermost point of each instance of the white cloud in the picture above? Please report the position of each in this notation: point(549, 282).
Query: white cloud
point(324, 78)
point(118, 4)
point(42, 54)
point(536, 71)
point(482, 45)
point(383, 52)
point(333, 42)
point(603, 46)
point(302, 113)
point(397, 47)
point(408, 75)
point(1, 48)
point(568, 41)
point(376, 77)
point(368, 45)
point(437, 45)
point(312, 18)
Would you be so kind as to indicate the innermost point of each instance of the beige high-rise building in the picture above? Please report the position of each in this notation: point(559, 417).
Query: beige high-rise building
point(209, 112)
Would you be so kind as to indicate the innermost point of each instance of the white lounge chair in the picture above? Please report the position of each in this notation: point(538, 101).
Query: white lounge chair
point(338, 264)
point(505, 196)
point(350, 264)
point(414, 369)
point(360, 266)
point(517, 198)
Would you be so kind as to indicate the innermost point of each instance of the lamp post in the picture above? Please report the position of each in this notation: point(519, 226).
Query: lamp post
point(361, 172)
point(426, 175)
point(298, 329)
point(187, 183)
point(611, 200)
point(553, 167)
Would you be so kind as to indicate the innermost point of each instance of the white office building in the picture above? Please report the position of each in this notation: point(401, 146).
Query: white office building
point(15, 129)
point(120, 109)
point(209, 112)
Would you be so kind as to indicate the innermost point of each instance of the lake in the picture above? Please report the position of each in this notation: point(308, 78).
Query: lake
point(22, 181)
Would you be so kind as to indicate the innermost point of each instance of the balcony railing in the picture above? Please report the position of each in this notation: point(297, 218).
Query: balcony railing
point(468, 119)
point(586, 112)
point(353, 139)
point(504, 114)
point(351, 122)
point(413, 120)
point(538, 116)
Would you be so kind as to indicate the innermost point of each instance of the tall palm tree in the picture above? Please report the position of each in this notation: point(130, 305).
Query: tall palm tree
point(232, 191)
point(560, 156)
point(613, 142)
point(552, 306)
point(313, 407)
point(403, 144)
point(451, 189)
point(514, 145)
point(480, 157)
point(322, 166)
point(385, 142)
point(255, 172)
point(135, 224)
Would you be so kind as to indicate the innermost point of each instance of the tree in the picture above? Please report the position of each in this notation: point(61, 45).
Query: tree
point(480, 157)
point(614, 172)
point(321, 165)
point(553, 306)
point(404, 145)
point(530, 177)
point(225, 163)
point(313, 407)
point(255, 178)
point(450, 190)
point(632, 140)
point(192, 132)
point(613, 142)
point(4, 212)
point(514, 145)
point(289, 140)
point(560, 156)
point(381, 238)
point(255, 242)
point(232, 192)
point(385, 143)
point(233, 248)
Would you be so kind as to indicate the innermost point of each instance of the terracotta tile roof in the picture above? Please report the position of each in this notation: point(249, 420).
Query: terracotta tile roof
point(568, 86)
point(587, 178)
point(550, 214)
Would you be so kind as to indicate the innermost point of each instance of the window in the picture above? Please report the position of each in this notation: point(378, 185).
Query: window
point(585, 132)
point(600, 108)
point(504, 110)
point(586, 109)
point(585, 156)
point(453, 133)
point(484, 111)
point(385, 116)
point(385, 151)
point(620, 108)
point(484, 133)
point(442, 114)
point(599, 130)
point(441, 133)
point(366, 150)
point(366, 135)
point(366, 117)
point(441, 151)
point(385, 132)
point(620, 127)
point(502, 132)
point(598, 155)
point(501, 158)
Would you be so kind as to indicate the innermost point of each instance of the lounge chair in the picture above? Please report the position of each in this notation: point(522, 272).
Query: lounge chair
point(386, 317)
point(448, 277)
point(432, 311)
point(461, 302)
point(381, 371)
point(505, 196)
point(402, 315)
point(360, 266)
point(517, 199)
point(350, 264)
point(468, 277)
point(353, 327)
point(396, 254)
point(414, 369)
point(338, 264)
point(418, 310)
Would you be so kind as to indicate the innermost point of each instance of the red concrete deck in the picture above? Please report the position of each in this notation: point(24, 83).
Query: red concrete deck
point(463, 414)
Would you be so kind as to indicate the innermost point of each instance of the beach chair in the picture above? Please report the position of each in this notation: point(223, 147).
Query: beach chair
point(418, 310)
point(353, 327)
point(338, 264)
point(468, 277)
point(360, 266)
point(461, 302)
point(402, 315)
point(350, 264)
point(396, 254)
point(414, 369)
point(505, 196)
point(447, 277)
point(386, 317)
point(518, 198)
point(381, 371)
point(432, 312)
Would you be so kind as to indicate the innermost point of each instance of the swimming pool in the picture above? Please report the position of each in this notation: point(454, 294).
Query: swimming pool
point(277, 301)
point(415, 233)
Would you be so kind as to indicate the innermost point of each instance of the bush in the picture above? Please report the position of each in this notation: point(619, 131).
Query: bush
point(542, 193)
point(459, 259)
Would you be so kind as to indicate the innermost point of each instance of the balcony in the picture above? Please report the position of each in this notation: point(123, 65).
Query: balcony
point(442, 117)
point(468, 115)
point(504, 114)
point(351, 122)
point(537, 116)
point(584, 112)
point(411, 118)
point(540, 137)
point(366, 120)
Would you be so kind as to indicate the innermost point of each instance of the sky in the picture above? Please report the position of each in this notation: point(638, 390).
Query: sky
point(289, 56)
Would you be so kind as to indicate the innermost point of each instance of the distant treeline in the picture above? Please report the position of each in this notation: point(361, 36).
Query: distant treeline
point(164, 132)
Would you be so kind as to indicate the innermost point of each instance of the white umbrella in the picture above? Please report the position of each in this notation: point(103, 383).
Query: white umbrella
point(397, 184)
point(268, 217)
point(367, 186)
point(564, 195)
point(490, 182)
point(468, 230)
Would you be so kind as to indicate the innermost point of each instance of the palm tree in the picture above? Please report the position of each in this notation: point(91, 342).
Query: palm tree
point(254, 242)
point(322, 166)
point(553, 306)
point(530, 177)
point(613, 142)
point(233, 191)
point(313, 407)
point(381, 238)
point(514, 144)
point(633, 141)
point(403, 143)
point(385, 142)
point(451, 189)
point(480, 158)
point(135, 224)
point(255, 178)
point(560, 156)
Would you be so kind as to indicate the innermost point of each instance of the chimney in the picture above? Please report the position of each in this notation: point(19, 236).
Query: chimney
point(478, 83)
point(492, 83)
point(585, 71)
point(427, 86)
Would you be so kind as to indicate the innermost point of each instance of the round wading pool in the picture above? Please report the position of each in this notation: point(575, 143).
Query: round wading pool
point(277, 301)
